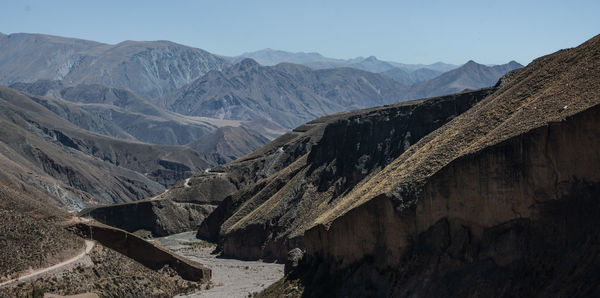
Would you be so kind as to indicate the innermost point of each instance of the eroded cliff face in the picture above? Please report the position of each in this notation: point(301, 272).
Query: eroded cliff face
point(516, 218)
point(496, 202)
point(266, 219)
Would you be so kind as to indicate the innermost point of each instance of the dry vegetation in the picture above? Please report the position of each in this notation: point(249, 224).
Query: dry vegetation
point(111, 275)
point(551, 88)
point(29, 235)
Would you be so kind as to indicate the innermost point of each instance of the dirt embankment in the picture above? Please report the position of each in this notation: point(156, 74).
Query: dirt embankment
point(143, 251)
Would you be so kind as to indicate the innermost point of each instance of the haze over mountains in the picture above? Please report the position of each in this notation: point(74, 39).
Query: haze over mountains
point(193, 82)
point(208, 109)
point(271, 57)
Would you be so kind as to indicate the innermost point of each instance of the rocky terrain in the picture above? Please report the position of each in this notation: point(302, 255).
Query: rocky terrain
point(231, 142)
point(149, 68)
point(286, 94)
point(29, 235)
point(32, 238)
point(110, 82)
point(231, 277)
point(123, 114)
point(497, 202)
point(44, 153)
point(384, 199)
point(487, 192)
point(106, 273)
point(290, 94)
point(267, 218)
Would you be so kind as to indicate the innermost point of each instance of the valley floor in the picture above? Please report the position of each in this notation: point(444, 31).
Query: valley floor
point(230, 277)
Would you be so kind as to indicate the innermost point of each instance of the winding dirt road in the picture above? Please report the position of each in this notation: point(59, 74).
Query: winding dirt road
point(89, 245)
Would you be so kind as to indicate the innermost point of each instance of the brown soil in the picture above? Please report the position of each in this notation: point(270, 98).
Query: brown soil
point(551, 88)
point(110, 275)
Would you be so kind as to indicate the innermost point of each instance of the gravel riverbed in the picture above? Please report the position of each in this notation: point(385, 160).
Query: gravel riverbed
point(230, 277)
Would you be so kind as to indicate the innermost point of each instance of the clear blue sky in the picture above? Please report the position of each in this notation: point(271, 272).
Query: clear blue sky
point(490, 32)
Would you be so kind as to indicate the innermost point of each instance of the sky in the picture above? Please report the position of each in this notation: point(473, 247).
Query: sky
point(489, 32)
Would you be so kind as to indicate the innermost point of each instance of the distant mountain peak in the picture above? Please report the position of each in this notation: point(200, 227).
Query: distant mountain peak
point(249, 63)
point(515, 63)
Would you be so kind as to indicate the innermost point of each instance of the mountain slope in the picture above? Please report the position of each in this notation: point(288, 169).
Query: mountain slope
point(148, 68)
point(44, 153)
point(286, 94)
point(30, 235)
point(120, 113)
point(484, 195)
point(469, 76)
point(230, 142)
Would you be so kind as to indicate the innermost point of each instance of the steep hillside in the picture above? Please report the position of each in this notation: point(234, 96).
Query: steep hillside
point(285, 94)
point(503, 194)
point(150, 68)
point(120, 113)
point(29, 235)
point(44, 153)
point(469, 76)
point(32, 237)
point(268, 218)
point(186, 205)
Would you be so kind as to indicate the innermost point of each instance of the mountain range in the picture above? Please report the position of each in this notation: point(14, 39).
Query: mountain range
point(148, 68)
point(488, 192)
point(291, 94)
point(269, 57)
point(286, 94)
point(407, 74)
point(149, 100)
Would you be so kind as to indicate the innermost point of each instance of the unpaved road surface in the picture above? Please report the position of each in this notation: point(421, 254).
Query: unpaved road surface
point(231, 278)
point(54, 268)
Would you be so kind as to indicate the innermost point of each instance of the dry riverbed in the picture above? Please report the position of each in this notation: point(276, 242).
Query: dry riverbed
point(230, 277)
